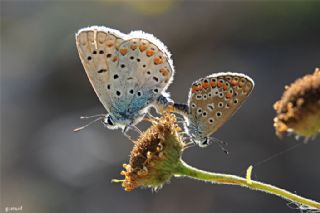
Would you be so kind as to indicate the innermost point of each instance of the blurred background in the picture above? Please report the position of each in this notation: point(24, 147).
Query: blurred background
point(45, 167)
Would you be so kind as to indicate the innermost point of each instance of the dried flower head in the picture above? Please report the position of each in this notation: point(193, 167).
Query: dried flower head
point(299, 108)
point(155, 155)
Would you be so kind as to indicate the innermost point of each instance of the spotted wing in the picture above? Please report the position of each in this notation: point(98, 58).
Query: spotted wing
point(215, 98)
point(97, 47)
point(141, 72)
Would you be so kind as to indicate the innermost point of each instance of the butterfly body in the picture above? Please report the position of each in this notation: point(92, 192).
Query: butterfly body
point(212, 101)
point(129, 72)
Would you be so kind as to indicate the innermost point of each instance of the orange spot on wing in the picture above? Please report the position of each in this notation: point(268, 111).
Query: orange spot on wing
point(225, 87)
point(194, 88)
point(133, 47)
point(123, 51)
point(234, 82)
point(229, 95)
point(213, 83)
point(157, 61)
point(109, 43)
point(142, 48)
point(220, 84)
point(205, 85)
point(164, 71)
point(150, 53)
point(115, 59)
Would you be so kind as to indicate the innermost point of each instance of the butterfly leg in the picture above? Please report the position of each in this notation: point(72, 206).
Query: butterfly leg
point(128, 128)
point(125, 133)
point(187, 139)
point(185, 134)
point(189, 142)
point(135, 128)
point(150, 118)
point(180, 120)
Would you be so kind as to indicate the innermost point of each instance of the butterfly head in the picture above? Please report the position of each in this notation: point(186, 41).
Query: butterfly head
point(197, 135)
point(110, 122)
point(203, 142)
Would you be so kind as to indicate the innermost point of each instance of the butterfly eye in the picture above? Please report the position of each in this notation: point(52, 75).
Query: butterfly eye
point(205, 142)
point(108, 121)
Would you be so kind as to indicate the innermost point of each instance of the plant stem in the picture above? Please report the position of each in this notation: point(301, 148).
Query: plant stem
point(184, 169)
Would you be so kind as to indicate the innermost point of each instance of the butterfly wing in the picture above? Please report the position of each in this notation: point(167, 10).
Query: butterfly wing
point(127, 72)
point(143, 71)
point(97, 47)
point(215, 98)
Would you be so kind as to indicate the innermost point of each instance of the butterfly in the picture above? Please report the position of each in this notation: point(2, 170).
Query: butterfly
point(129, 72)
point(212, 101)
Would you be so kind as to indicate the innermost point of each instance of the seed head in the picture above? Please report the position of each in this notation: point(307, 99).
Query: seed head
point(154, 156)
point(299, 108)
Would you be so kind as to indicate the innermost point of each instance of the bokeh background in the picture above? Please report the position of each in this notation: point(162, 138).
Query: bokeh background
point(45, 167)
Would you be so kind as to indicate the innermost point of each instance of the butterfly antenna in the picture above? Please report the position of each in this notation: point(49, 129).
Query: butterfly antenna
point(150, 118)
point(92, 116)
point(135, 128)
point(221, 144)
point(91, 122)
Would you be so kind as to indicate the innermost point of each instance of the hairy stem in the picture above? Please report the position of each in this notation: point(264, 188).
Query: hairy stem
point(185, 170)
